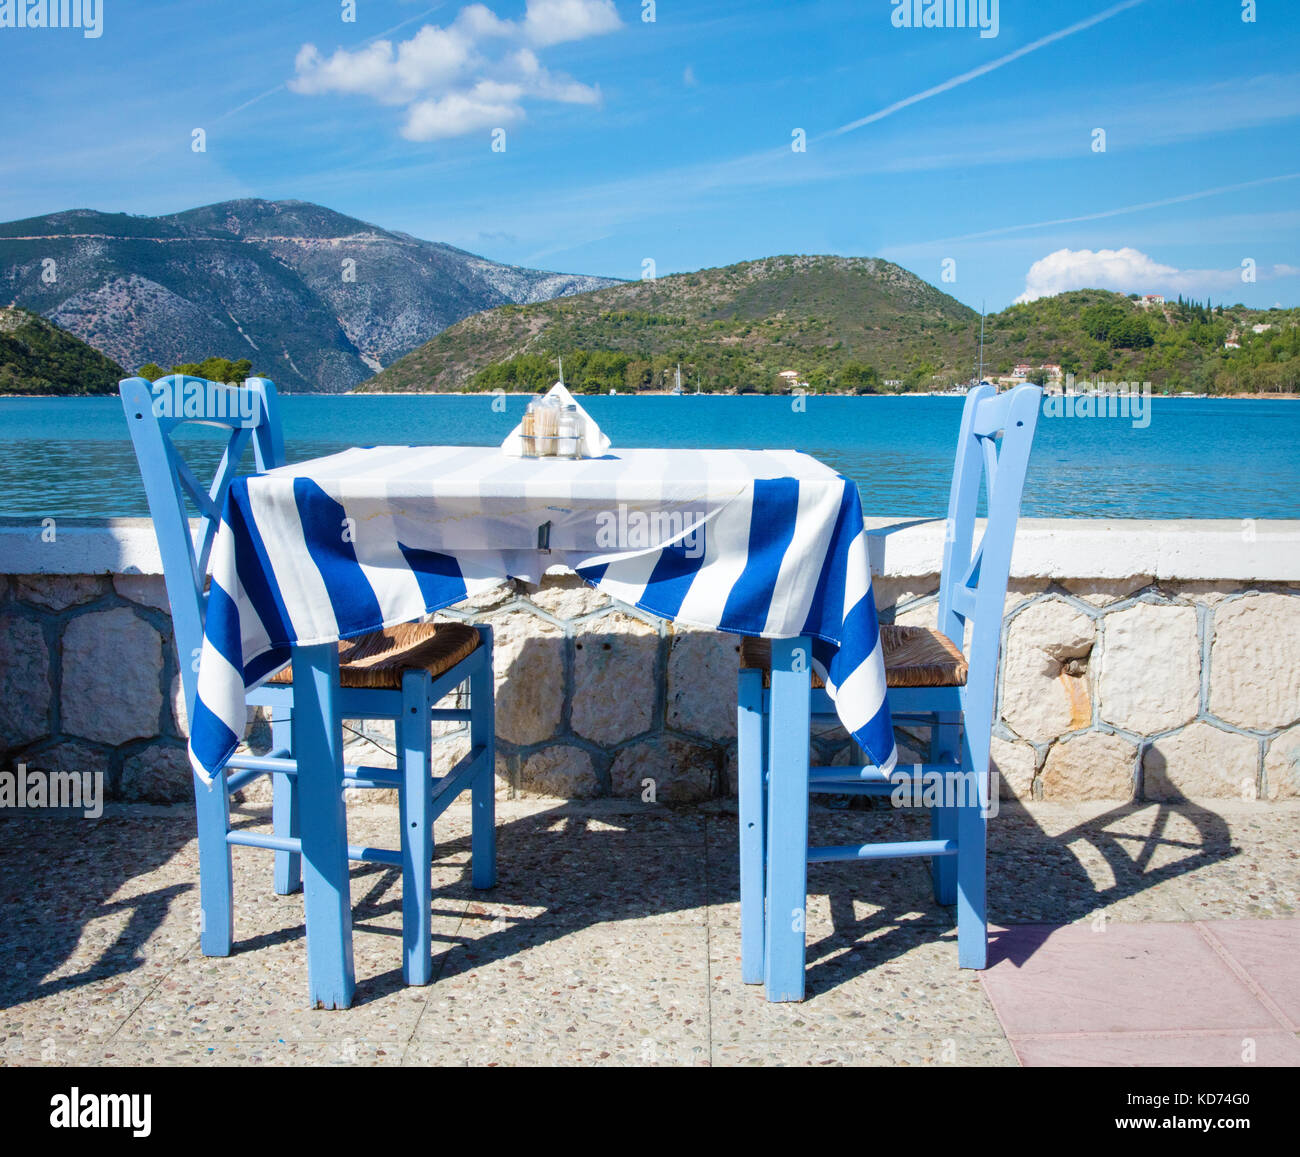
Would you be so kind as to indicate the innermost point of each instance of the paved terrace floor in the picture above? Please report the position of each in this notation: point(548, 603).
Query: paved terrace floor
point(613, 938)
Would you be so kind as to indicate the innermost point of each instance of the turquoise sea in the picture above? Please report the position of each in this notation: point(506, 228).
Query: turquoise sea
point(1198, 458)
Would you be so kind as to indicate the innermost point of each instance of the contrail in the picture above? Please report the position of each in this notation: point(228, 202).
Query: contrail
point(280, 87)
point(983, 69)
point(1182, 198)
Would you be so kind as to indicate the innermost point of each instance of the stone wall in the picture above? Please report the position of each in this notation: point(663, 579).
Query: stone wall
point(88, 681)
point(1140, 686)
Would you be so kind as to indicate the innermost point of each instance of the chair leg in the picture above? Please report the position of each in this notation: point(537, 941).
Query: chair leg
point(415, 809)
point(943, 818)
point(787, 818)
point(216, 881)
point(482, 733)
point(327, 898)
point(750, 741)
point(972, 915)
point(284, 807)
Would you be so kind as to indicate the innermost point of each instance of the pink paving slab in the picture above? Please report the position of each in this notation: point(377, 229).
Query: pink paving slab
point(1219, 1050)
point(1152, 993)
point(1268, 951)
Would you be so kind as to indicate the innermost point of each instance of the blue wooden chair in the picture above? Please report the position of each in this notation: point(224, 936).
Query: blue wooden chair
point(932, 682)
point(397, 674)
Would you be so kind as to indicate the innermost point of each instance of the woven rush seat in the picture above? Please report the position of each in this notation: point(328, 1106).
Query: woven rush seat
point(379, 658)
point(914, 657)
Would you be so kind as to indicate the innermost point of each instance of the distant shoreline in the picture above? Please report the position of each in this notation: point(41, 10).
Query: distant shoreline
point(809, 394)
point(665, 394)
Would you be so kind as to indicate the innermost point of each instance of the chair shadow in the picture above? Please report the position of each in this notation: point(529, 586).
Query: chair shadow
point(598, 869)
point(1033, 887)
point(58, 876)
point(855, 945)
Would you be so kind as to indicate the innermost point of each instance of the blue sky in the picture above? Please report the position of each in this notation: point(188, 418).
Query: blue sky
point(671, 140)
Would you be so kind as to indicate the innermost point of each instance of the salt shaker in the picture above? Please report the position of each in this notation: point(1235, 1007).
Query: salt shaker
point(568, 431)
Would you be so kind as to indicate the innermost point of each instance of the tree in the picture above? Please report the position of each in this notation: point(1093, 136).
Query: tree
point(214, 369)
point(860, 378)
point(1101, 321)
point(1132, 333)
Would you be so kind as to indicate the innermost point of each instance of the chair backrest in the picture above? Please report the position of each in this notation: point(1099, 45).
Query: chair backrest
point(154, 411)
point(997, 434)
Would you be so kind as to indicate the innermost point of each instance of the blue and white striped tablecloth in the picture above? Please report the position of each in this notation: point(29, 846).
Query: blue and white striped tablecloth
point(754, 542)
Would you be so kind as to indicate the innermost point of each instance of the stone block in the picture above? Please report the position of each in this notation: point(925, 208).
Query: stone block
point(1015, 764)
point(158, 774)
point(895, 592)
point(567, 597)
point(1150, 676)
point(1282, 765)
point(701, 693)
point(1104, 592)
point(614, 678)
point(1092, 765)
point(1201, 762)
point(112, 666)
point(528, 656)
point(680, 772)
point(562, 771)
point(1254, 663)
point(57, 592)
point(25, 691)
point(149, 590)
point(1044, 671)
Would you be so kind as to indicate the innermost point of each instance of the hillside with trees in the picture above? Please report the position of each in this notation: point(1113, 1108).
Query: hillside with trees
point(37, 357)
point(1181, 346)
point(849, 325)
point(840, 323)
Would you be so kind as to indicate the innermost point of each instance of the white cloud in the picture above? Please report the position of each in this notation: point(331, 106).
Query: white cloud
point(486, 106)
point(482, 23)
point(1128, 271)
point(434, 58)
point(476, 73)
point(555, 21)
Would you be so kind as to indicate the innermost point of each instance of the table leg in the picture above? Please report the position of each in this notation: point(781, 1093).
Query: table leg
point(284, 806)
point(318, 738)
point(787, 818)
point(750, 744)
point(482, 729)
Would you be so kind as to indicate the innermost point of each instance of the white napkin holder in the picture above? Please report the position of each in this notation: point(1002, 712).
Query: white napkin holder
point(592, 443)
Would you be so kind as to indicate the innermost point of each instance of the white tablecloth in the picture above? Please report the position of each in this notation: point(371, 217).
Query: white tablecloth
point(754, 542)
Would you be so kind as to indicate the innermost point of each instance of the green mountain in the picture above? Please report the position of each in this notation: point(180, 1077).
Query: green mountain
point(849, 324)
point(319, 301)
point(738, 327)
point(37, 357)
